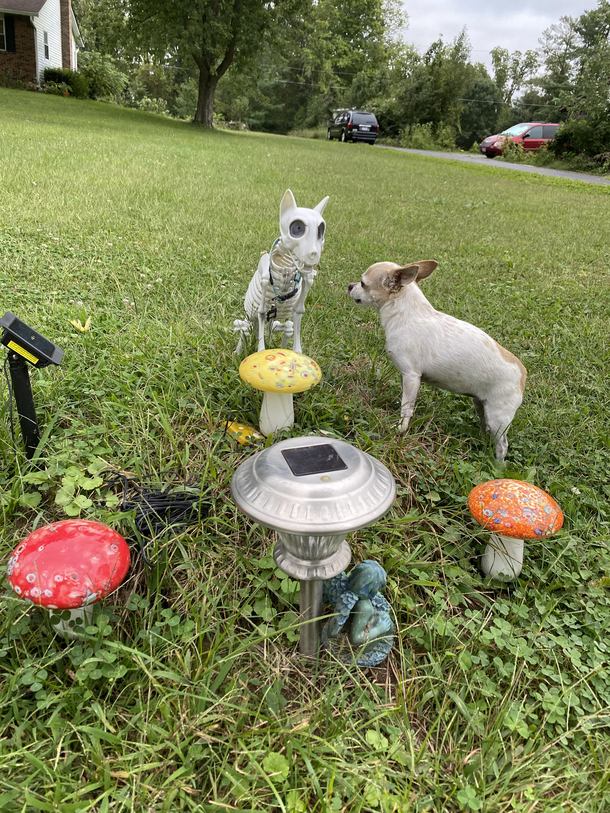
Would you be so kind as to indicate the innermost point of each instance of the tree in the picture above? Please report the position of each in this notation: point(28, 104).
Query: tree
point(321, 55)
point(433, 87)
point(480, 114)
point(212, 33)
point(511, 70)
point(103, 26)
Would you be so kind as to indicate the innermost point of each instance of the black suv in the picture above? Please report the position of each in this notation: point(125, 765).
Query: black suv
point(353, 125)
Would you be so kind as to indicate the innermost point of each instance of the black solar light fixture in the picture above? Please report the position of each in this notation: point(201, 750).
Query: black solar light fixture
point(26, 345)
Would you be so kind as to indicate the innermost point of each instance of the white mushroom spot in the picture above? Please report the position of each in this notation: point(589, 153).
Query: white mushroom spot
point(58, 577)
point(30, 578)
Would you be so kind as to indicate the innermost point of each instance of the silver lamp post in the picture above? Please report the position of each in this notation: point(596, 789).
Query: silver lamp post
point(313, 492)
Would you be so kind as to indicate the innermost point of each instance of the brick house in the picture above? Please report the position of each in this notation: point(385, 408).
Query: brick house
point(37, 34)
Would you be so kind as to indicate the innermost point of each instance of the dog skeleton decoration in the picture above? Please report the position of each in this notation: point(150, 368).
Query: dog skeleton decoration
point(276, 296)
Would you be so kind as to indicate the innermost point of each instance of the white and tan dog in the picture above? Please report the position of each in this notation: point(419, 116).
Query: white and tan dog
point(430, 346)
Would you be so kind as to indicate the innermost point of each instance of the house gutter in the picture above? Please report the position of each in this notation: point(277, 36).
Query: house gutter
point(76, 28)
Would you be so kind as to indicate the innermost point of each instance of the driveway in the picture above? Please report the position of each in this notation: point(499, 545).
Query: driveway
point(482, 161)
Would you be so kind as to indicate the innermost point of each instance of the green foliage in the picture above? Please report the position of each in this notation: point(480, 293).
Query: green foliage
point(78, 84)
point(434, 86)
point(207, 34)
point(57, 88)
point(423, 137)
point(577, 137)
point(479, 116)
point(513, 151)
point(512, 70)
point(105, 80)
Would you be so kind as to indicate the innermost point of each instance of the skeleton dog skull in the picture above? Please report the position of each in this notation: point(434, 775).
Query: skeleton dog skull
point(302, 230)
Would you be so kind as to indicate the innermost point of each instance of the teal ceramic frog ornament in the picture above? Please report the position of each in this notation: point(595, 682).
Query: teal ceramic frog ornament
point(361, 612)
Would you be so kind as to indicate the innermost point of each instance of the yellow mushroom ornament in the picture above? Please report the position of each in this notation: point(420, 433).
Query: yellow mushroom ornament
point(279, 374)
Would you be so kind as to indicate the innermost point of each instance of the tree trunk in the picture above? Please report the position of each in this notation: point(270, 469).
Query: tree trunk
point(205, 99)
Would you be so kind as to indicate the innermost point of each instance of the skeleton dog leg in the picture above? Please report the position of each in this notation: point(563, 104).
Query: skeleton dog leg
point(299, 310)
point(263, 304)
point(288, 329)
point(243, 327)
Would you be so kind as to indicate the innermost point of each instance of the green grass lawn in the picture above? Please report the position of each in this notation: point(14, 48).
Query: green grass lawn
point(188, 693)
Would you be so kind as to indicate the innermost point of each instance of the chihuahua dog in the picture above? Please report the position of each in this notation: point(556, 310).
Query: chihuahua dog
point(430, 346)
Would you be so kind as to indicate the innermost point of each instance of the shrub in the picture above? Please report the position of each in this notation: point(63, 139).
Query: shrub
point(513, 152)
point(7, 80)
point(418, 137)
point(78, 84)
point(105, 80)
point(581, 137)
point(423, 137)
point(56, 88)
point(153, 106)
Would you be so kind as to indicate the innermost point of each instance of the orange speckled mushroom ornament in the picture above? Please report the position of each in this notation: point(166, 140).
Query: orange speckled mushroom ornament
point(515, 511)
point(279, 373)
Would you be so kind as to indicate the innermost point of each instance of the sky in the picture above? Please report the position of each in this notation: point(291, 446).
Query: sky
point(512, 24)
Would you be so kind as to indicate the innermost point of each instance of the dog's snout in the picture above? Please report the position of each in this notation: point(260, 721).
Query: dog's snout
point(350, 286)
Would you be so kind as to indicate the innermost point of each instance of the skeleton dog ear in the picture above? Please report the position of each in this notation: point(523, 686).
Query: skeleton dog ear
point(399, 277)
point(288, 203)
point(321, 206)
point(426, 267)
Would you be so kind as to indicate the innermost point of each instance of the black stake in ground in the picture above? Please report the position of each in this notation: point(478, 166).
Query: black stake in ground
point(22, 390)
point(26, 344)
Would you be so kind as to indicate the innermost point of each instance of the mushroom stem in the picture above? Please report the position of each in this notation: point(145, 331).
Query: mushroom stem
point(277, 412)
point(503, 557)
point(68, 627)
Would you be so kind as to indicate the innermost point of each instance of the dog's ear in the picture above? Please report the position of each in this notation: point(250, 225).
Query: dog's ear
point(399, 277)
point(320, 207)
point(288, 203)
point(426, 267)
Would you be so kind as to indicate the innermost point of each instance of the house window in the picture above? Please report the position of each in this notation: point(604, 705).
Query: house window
point(2, 34)
point(46, 44)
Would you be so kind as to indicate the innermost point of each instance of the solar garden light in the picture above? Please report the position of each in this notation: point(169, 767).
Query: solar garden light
point(313, 492)
point(26, 344)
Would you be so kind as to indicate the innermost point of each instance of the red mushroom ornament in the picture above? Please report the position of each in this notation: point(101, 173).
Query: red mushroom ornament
point(516, 511)
point(69, 565)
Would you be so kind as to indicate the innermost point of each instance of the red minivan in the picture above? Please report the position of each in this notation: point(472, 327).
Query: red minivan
point(531, 135)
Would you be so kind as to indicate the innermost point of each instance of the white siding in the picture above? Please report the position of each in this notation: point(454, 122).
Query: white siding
point(74, 54)
point(49, 20)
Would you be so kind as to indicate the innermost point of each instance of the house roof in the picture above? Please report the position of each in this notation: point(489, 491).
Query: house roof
point(21, 6)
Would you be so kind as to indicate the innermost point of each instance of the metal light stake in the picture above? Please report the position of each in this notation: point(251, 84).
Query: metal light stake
point(25, 343)
point(313, 492)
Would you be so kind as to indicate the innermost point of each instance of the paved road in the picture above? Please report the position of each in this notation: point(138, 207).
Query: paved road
point(482, 161)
